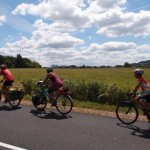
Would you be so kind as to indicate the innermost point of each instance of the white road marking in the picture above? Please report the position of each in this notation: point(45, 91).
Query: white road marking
point(11, 146)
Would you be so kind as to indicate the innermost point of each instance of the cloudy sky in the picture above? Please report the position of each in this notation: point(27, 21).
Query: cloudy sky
point(76, 32)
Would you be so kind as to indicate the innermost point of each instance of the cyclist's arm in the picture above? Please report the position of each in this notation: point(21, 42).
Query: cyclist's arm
point(45, 79)
point(136, 87)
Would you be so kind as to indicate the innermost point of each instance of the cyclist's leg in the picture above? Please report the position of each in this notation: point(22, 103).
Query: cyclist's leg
point(148, 98)
point(139, 100)
point(51, 91)
point(5, 89)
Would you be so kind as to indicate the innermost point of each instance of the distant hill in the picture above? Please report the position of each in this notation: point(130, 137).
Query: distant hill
point(142, 64)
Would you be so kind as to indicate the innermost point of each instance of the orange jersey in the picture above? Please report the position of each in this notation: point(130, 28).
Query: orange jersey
point(143, 84)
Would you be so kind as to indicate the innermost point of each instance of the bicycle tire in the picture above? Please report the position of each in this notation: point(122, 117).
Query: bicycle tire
point(148, 116)
point(14, 103)
point(64, 104)
point(15, 97)
point(127, 112)
point(42, 101)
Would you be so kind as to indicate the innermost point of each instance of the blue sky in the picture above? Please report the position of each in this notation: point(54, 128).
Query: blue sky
point(77, 32)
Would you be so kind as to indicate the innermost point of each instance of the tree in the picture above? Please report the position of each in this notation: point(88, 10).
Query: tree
point(127, 65)
point(19, 61)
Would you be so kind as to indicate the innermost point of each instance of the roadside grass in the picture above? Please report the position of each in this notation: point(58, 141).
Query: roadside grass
point(94, 106)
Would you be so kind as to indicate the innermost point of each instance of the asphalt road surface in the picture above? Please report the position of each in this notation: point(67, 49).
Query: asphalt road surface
point(26, 128)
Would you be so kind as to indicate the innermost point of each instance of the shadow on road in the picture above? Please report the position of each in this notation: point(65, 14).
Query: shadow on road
point(49, 115)
point(136, 131)
point(8, 108)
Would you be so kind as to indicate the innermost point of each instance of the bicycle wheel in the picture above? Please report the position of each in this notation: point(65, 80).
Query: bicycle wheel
point(148, 116)
point(39, 101)
point(15, 97)
point(64, 104)
point(126, 112)
point(15, 103)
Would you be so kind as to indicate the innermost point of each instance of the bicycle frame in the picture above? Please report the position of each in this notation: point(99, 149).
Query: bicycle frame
point(135, 103)
point(64, 102)
point(130, 111)
point(44, 90)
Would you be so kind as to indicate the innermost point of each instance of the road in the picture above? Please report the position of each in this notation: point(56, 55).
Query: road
point(28, 129)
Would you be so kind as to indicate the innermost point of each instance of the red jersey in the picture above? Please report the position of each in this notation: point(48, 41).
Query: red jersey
point(7, 75)
point(55, 79)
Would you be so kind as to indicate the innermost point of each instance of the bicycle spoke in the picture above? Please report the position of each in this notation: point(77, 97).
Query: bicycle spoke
point(126, 112)
point(64, 104)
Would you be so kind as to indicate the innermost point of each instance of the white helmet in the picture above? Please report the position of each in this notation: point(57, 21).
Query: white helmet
point(139, 71)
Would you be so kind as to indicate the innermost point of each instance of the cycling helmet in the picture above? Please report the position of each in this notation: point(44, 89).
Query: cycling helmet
point(3, 66)
point(49, 69)
point(138, 71)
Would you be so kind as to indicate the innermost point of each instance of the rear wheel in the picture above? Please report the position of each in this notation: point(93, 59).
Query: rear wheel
point(148, 116)
point(15, 97)
point(126, 112)
point(64, 104)
point(15, 103)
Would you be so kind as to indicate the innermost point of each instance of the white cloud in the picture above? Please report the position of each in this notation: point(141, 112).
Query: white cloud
point(42, 48)
point(116, 23)
point(45, 46)
point(2, 20)
point(47, 37)
point(66, 11)
point(113, 53)
point(109, 17)
point(55, 42)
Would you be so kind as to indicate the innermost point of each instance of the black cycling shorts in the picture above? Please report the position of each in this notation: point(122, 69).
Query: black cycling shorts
point(8, 83)
point(147, 97)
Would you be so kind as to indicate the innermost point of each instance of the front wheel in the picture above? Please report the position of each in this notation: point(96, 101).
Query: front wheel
point(64, 104)
point(126, 112)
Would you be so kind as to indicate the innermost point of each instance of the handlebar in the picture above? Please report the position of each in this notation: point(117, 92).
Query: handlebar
point(132, 94)
point(40, 84)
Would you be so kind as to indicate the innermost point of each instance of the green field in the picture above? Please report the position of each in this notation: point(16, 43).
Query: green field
point(122, 77)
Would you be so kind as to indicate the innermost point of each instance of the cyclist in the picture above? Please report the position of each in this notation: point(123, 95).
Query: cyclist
point(56, 83)
point(144, 85)
point(7, 80)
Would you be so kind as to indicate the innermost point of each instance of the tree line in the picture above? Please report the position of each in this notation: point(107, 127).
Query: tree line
point(18, 62)
point(145, 64)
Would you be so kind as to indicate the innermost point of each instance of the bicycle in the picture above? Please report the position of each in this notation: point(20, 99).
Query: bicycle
point(15, 95)
point(41, 96)
point(127, 111)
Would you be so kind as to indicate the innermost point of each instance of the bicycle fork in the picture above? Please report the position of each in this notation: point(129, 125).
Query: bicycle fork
point(130, 106)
